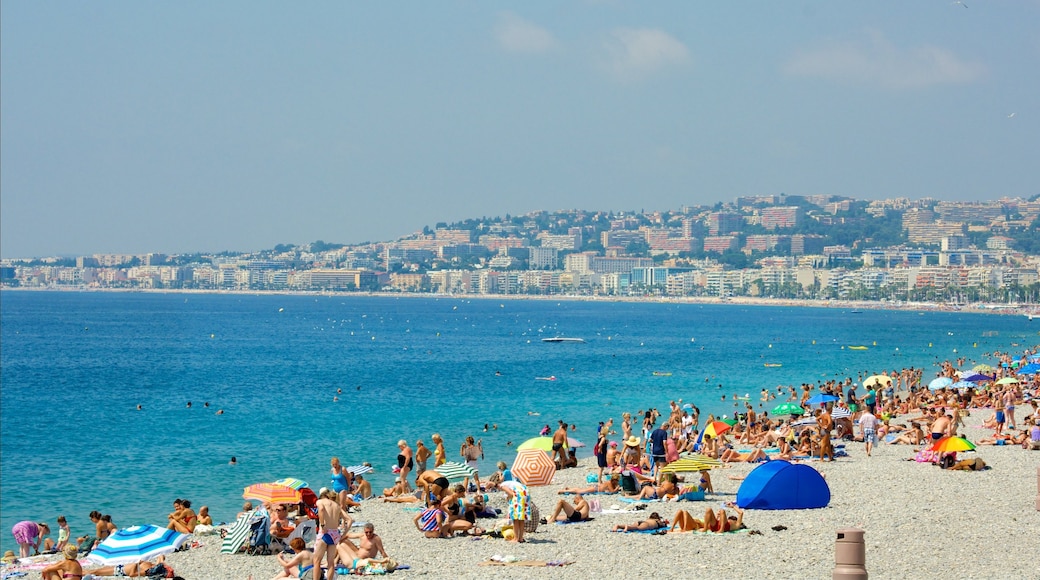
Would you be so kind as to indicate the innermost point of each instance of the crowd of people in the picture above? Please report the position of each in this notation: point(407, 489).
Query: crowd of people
point(893, 408)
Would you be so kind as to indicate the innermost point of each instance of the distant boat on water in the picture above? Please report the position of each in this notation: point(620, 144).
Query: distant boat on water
point(773, 365)
point(562, 339)
point(662, 374)
point(858, 347)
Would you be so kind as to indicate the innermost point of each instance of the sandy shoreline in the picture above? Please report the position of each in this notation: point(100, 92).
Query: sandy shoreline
point(851, 305)
point(919, 522)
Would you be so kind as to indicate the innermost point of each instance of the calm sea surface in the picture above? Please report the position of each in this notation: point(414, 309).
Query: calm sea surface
point(74, 367)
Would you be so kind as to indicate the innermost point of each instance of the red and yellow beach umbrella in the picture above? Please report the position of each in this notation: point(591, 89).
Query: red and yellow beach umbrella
point(716, 428)
point(534, 467)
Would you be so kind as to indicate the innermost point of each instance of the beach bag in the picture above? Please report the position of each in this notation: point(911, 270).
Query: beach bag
point(159, 571)
point(628, 483)
point(594, 505)
point(531, 524)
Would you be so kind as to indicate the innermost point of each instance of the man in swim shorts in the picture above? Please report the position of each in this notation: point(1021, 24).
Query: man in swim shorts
point(331, 521)
point(559, 442)
point(566, 512)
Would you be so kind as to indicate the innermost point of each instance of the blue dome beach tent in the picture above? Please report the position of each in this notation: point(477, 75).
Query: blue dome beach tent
point(781, 485)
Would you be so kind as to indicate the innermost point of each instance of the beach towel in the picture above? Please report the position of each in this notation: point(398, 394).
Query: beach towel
point(497, 560)
point(566, 522)
point(655, 532)
point(636, 500)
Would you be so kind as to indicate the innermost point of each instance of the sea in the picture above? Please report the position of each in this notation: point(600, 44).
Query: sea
point(303, 378)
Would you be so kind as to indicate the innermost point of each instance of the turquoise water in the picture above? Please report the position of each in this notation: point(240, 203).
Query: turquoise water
point(74, 366)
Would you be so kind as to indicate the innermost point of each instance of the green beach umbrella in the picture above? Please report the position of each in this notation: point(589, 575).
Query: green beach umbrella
point(788, 409)
point(453, 470)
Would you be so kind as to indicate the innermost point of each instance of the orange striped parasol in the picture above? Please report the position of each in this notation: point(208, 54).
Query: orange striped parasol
point(533, 467)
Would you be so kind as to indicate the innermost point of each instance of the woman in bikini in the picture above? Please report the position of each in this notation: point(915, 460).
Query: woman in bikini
point(299, 564)
point(67, 569)
point(720, 523)
point(439, 454)
point(183, 518)
point(654, 522)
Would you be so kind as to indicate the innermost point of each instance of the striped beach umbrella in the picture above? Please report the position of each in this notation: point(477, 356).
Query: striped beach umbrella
point(841, 413)
point(136, 543)
point(359, 469)
point(455, 471)
point(292, 482)
point(272, 493)
point(533, 467)
point(691, 463)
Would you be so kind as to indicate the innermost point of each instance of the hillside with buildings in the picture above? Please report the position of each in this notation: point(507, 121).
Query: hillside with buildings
point(780, 246)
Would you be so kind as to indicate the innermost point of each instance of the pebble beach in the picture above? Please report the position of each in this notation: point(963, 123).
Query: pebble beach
point(919, 521)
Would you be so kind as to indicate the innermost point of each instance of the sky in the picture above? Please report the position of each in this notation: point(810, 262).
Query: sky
point(178, 127)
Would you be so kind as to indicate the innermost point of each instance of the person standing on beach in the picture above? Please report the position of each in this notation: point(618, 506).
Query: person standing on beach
point(868, 428)
point(404, 463)
point(332, 521)
point(422, 456)
point(657, 448)
point(519, 507)
point(440, 455)
point(559, 443)
point(29, 534)
point(1009, 406)
point(471, 451)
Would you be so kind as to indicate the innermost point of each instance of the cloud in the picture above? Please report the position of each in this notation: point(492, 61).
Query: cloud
point(514, 34)
point(633, 53)
point(874, 60)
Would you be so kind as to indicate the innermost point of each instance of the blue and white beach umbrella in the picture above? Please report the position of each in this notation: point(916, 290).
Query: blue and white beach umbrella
point(940, 383)
point(136, 543)
point(359, 469)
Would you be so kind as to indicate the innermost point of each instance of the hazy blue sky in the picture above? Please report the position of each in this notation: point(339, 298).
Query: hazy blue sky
point(203, 126)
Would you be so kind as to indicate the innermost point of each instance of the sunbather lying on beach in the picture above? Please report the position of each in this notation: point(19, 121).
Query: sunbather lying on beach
point(612, 485)
point(134, 570)
point(734, 456)
point(711, 523)
point(565, 512)
point(653, 522)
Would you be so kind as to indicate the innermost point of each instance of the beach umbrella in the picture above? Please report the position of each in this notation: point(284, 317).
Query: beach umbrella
point(982, 368)
point(716, 428)
point(691, 463)
point(1034, 358)
point(821, 399)
point(1008, 381)
point(977, 378)
point(545, 443)
point(804, 422)
point(788, 409)
point(292, 482)
point(878, 380)
point(940, 383)
point(841, 413)
point(272, 493)
point(136, 543)
point(1029, 369)
point(533, 467)
point(687, 407)
point(948, 444)
point(453, 470)
point(359, 469)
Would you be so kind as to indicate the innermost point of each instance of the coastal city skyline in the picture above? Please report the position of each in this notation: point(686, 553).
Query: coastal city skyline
point(176, 128)
point(783, 246)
